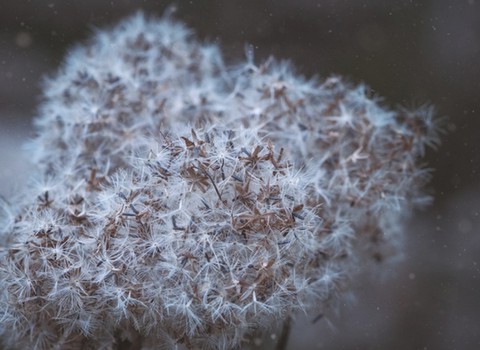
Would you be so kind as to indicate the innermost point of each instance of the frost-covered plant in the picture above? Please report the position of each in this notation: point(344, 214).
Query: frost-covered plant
point(179, 201)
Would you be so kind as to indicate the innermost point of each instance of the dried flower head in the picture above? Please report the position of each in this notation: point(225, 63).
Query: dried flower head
point(178, 201)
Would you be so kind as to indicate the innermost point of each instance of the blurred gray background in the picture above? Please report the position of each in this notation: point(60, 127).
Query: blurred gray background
point(410, 52)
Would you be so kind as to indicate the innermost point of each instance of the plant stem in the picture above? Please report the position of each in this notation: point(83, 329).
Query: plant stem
point(283, 341)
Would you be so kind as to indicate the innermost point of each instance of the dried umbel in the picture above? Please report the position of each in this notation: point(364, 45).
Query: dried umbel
point(178, 201)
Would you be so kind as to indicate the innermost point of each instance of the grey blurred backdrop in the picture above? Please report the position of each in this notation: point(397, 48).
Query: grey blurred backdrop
point(410, 52)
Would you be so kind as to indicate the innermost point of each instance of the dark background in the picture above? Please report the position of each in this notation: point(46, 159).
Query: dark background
point(410, 52)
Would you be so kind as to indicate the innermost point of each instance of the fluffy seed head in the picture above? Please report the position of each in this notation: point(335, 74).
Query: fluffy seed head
point(179, 201)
